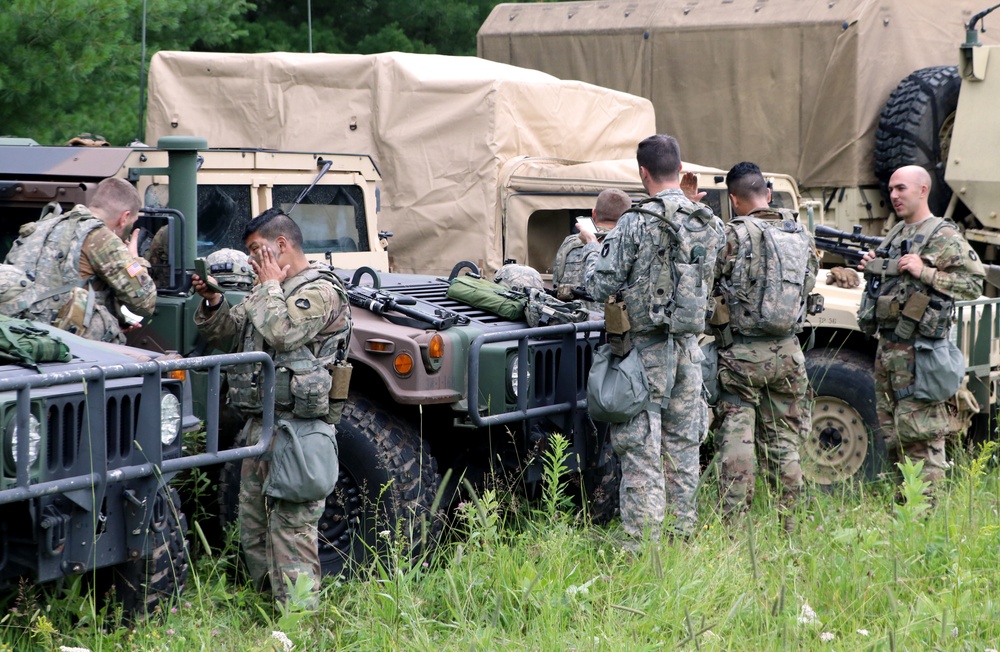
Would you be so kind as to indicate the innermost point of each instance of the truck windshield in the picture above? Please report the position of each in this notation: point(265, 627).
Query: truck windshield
point(332, 218)
point(223, 214)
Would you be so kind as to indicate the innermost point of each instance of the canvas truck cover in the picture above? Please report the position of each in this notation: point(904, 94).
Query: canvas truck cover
point(795, 85)
point(439, 128)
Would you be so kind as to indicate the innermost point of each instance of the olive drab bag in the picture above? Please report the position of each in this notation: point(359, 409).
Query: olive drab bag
point(22, 342)
point(489, 296)
point(617, 387)
point(682, 272)
point(768, 289)
point(304, 464)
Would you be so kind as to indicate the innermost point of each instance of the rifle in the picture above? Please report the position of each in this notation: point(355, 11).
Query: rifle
point(851, 246)
point(578, 292)
point(382, 303)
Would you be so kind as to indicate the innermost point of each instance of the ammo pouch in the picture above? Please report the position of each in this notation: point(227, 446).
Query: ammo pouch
point(617, 387)
point(304, 464)
point(340, 382)
point(301, 384)
point(940, 368)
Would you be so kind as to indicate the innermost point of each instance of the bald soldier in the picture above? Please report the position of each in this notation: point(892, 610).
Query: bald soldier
point(930, 266)
point(85, 266)
point(569, 267)
point(298, 314)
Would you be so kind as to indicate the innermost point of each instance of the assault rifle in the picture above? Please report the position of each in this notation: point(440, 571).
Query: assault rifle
point(851, 246)
point(384, 303)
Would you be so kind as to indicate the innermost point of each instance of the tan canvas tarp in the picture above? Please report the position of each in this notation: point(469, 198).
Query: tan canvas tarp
point(439, 129)
point(796, 85)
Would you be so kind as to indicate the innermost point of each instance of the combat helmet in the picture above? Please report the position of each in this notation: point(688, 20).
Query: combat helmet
point(230, 269)
point(519, 276)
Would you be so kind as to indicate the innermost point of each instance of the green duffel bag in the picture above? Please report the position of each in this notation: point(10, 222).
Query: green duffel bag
point(22, 342)
point(304, 465)
point(489, 296)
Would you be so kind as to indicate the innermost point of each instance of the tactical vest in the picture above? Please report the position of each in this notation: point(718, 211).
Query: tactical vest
point(686, 242)
point(568, 269)
point(303, 377)
point(886, 297)
point(49, 252)
point(768, 287)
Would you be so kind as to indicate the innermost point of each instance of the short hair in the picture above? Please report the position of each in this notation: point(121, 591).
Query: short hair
point(661, 156)
point(746, 181)
point(114, 196)
point(273, 223)
point(611, 203)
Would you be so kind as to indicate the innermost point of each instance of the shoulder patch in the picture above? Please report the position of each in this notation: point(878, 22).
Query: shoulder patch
point(972, 255)
point(302, 303)
point(605, 249)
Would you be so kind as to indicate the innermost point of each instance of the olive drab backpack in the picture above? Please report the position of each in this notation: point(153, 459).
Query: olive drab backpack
point(682, 271)
point(767, 290)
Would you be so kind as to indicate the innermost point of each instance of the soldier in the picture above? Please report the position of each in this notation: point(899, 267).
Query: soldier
point(762, 373)
point(298, 313)
point(84, 269)
point(568, 267)
point(936, 267)
point(637, 262)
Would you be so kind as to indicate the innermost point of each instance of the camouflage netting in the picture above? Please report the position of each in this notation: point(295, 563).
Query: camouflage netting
point(795, 85)
point(440, 129)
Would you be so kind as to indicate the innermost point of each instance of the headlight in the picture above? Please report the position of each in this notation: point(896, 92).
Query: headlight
point(513, 376)
point(170, 418)
point(34, 438)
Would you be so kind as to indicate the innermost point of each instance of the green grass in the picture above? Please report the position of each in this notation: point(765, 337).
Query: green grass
point(859, 568)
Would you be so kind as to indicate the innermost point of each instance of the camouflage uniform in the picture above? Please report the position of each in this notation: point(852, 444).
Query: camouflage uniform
point(279, 538)
point(658, 448)
point(911, 427)
point(62, 250)
point(570, 267)
point(763, 387)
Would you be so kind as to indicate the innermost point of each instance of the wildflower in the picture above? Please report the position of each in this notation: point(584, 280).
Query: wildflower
point(187, 605)
point(425, 565)
point(286, 643)
point(170, 632)
point(863, 632)
point(64, 648)
point(826, 637)
point(954, 632)
point(819, 528)
point(215, 632)
point(173, 610)
point(807, 616)
point(384, 534)
point(990, 649)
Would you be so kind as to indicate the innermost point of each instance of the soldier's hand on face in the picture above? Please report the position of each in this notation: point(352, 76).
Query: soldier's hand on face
point(266, 265)
point(586, 237)
point(201, 288)
point(869, 255)
point(912, 264)
point(689, 186)
point(133, 243)
point(843, 277)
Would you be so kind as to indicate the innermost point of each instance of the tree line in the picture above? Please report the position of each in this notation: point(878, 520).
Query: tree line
point(72, 66)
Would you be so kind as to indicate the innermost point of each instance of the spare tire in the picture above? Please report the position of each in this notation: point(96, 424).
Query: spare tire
point(915, 129)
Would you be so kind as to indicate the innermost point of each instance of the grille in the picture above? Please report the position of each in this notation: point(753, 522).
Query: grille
point(66, 419)
point(547, 371)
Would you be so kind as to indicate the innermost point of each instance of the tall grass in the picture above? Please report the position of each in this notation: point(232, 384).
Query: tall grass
point(858, 573)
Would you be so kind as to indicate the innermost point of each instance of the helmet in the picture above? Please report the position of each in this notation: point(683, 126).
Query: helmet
point(520, 276)
point(230, 269)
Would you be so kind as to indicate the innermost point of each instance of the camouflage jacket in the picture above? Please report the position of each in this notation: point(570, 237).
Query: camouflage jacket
point(62, 250)
point(623, 262)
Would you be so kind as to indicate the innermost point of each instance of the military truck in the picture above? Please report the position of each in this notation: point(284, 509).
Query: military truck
point(89, 448)
point(836, 114)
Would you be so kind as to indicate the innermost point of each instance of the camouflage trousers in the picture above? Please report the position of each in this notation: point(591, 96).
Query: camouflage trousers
point(762, 409)
point(279, 538)
point(911, 427)
point(658, 449)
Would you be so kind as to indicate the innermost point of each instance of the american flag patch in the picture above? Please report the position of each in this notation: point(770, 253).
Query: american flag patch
point(134, 268)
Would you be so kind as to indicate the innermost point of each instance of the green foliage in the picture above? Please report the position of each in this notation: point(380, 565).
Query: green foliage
point(74, 65)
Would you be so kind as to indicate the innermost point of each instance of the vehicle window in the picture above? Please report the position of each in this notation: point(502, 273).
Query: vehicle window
point(223, 214)
point(332, 218)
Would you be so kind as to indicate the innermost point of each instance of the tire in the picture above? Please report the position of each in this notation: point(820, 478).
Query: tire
point(845, 443)
point(915, 129)
point(144, 584)
point(388, 481)
point(603, 489)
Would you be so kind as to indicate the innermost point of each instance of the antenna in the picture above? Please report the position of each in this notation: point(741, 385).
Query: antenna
point(142, 78)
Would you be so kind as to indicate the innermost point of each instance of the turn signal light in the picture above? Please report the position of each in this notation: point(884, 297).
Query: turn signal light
point(403, 364)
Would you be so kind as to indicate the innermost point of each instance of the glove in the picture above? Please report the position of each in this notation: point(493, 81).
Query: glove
point(843, 277)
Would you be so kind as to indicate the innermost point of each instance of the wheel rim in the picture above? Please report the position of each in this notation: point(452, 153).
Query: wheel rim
point(340, 524)
point(838, 444)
